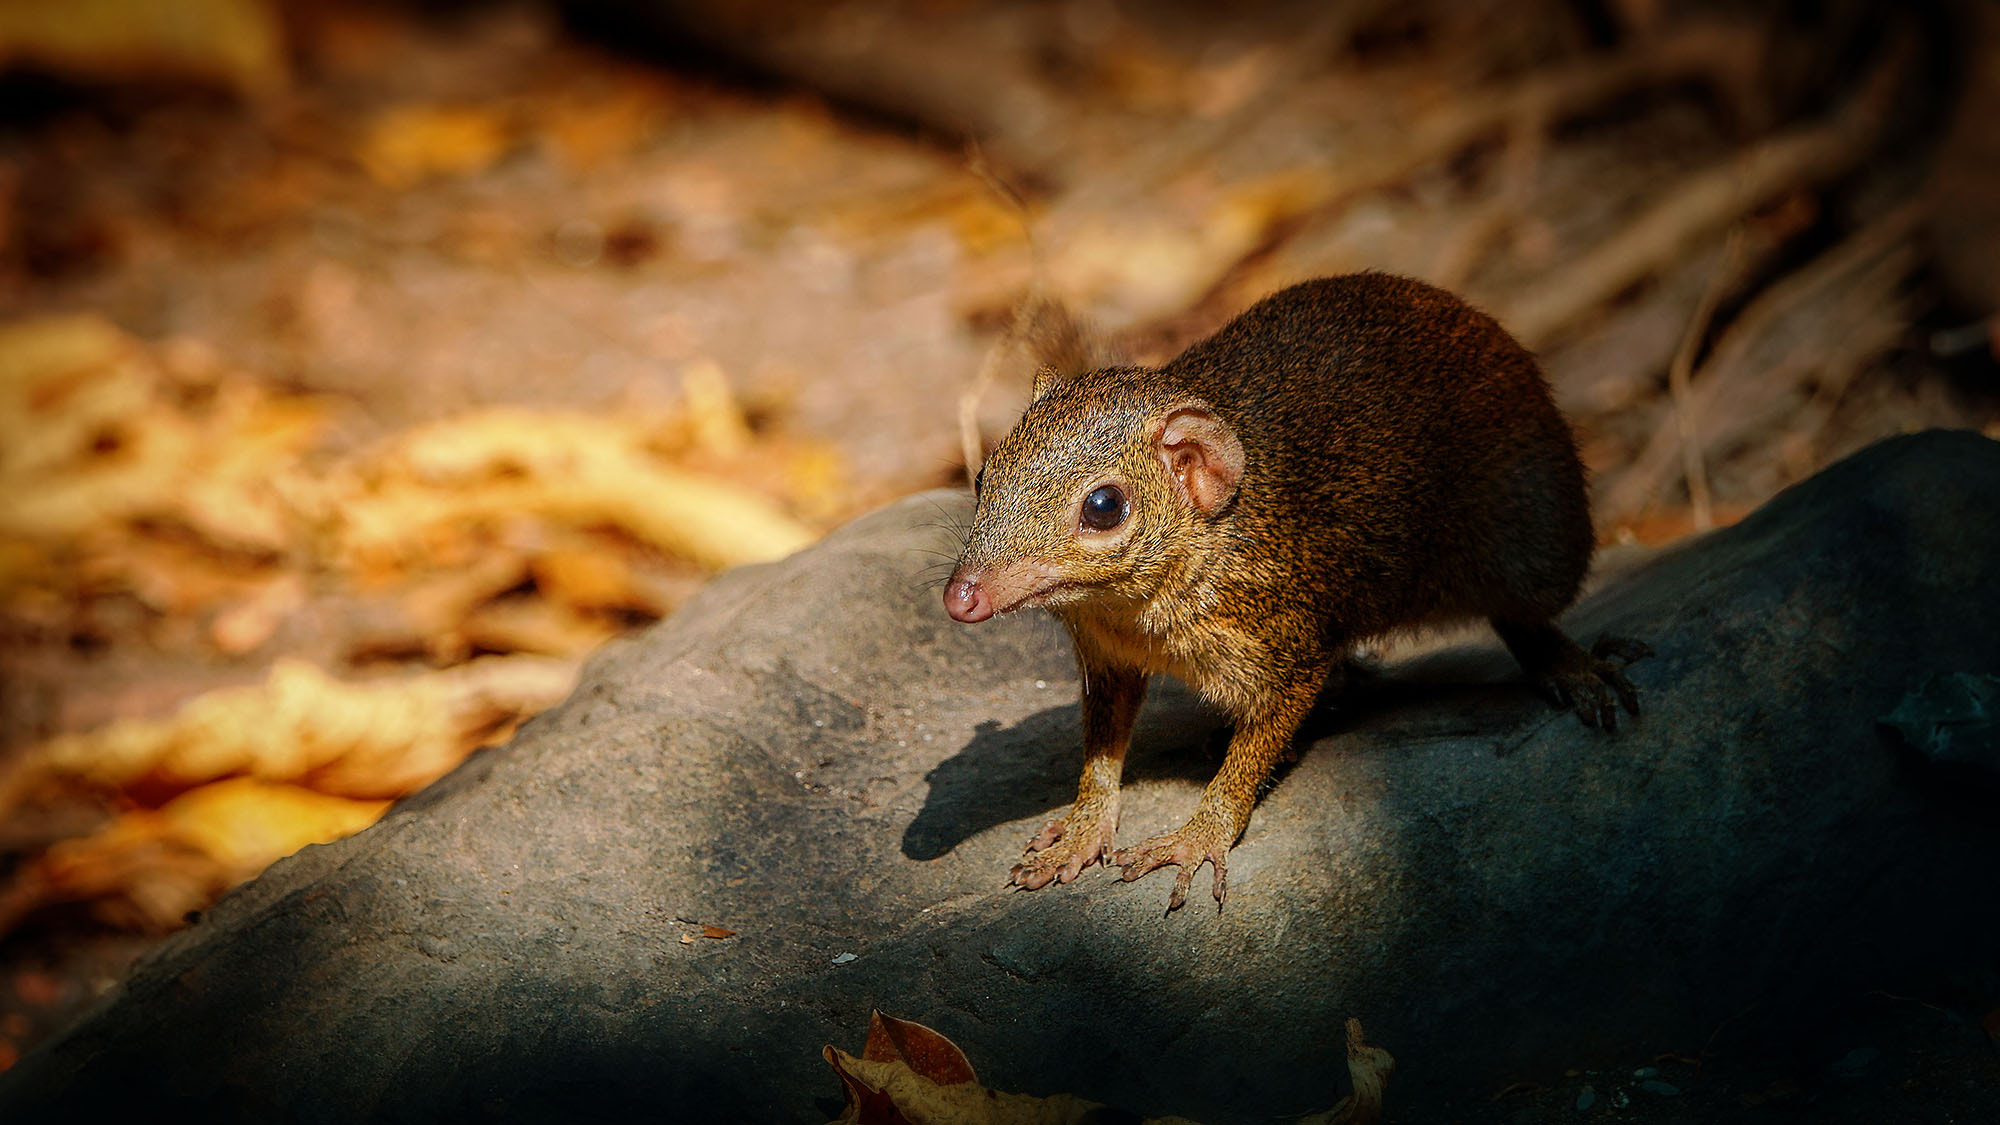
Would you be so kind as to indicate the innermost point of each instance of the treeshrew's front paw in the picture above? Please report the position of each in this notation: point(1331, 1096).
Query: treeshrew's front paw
point(1063, 848)
point(1201, 840)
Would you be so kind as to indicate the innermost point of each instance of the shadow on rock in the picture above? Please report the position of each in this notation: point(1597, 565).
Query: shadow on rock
point(1029, 769)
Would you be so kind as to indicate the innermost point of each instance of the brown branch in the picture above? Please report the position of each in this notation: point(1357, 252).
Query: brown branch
point(1679, 372)
point(1719, 52)
point(1521, 166)
point(1825, 321)
point(1706, 201)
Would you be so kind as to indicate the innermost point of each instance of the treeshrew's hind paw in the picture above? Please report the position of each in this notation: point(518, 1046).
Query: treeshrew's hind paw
point(1625, 650)
point(1594, 683)
point(1188, 847)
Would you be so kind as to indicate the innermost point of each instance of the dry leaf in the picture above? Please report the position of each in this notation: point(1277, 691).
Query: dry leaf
point(1370, 1068)
point(909, 1074)
point(981, 222)
point(383, 738)
point(93, 435)
point(64, 382)
point(156, 473)
point(238, 43)
point(816, 479)
point(592, 576)
point(924, 1051)
point(574, 469)
point(708, 932)
point(443, 599)
point(246, 626)
point(868, 1091)
point(412, 143)
point(719, 428)
point(589, 132)
point(150, 867)
point(533, 625)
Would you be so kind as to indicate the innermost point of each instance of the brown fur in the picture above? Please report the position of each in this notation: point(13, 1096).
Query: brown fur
point(1349, 456)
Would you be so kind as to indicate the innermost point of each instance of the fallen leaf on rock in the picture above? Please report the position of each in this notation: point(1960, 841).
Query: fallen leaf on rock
point(909, 1074)
point(1370, 1069)
point(924, 1051)
point(870, 1101)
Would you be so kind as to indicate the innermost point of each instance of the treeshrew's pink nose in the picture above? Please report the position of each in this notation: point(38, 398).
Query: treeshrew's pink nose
point(966, 600)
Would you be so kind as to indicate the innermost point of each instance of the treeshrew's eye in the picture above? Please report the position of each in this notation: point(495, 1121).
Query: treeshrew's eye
point(1104, 508)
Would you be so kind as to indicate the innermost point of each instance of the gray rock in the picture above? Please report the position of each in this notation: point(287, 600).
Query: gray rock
point(1953, 720)
point(1854, 1062)
point(813, 756)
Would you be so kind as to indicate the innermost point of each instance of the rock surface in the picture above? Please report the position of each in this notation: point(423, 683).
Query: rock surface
point(813, 756)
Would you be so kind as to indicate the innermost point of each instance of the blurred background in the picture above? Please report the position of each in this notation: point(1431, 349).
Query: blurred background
point(365, 366)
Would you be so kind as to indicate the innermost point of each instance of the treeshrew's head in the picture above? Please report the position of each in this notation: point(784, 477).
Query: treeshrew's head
point(1093, 494)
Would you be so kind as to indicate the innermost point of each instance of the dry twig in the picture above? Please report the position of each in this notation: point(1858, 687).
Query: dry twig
point(1705, 201)
point(1717, 52)
point(1779, 342)
point(1682, 367)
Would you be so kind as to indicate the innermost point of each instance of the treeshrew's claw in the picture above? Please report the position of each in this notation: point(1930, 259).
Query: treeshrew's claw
point(1623, 649)
point(1050, 833)
point(1057, 855)
point(1187, 848)
point(1594, 683)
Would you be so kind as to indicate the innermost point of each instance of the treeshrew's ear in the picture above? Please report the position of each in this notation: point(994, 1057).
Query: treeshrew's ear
point(1046, 376)
point(1202, 455)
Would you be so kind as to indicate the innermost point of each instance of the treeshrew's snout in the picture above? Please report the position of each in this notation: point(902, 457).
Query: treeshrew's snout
point(966, 598)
